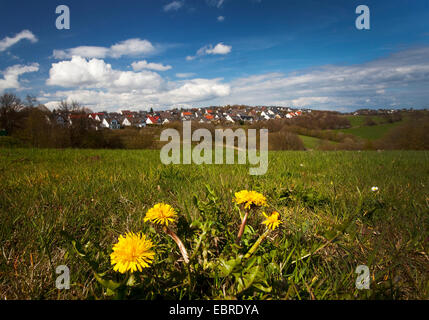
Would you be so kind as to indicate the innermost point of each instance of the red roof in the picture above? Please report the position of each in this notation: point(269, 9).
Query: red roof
point(153, 119)
point(187, 113)
point(209, 117)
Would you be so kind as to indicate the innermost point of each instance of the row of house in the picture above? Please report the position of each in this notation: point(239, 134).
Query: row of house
point(140, 119)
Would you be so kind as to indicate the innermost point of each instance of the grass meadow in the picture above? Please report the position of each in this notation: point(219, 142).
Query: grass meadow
point(371, 132)
point(332, 222)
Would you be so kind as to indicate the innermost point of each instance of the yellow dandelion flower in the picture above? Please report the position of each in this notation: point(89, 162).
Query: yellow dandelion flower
point(250, 198)
point(161, 213)
point(272, 221)
point(131, 253)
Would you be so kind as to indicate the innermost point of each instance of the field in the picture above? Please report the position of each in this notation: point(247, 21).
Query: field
point(310, 142)
point(359, 129)
point(68, 207)
point(371, 132)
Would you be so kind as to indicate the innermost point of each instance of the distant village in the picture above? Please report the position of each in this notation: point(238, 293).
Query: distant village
point(216, 115)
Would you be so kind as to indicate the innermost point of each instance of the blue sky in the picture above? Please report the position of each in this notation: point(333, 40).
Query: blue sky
point(183, 53)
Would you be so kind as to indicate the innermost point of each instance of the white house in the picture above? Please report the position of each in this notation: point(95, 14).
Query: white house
point(126, 122)
point(229, 119)
point(104, 123)
point(265, 116)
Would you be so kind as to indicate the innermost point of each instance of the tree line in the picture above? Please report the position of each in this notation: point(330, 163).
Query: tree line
point(33, 124)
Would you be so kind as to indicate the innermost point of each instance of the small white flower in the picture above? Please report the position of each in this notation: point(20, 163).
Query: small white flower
point(374, 189)
point(301, 165)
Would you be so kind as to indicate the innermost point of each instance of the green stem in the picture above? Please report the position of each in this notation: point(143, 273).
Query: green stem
point(200, 239)
point(256, 244)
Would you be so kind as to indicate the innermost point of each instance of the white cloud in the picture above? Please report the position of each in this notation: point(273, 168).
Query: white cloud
point(140, 65)
point(221, 18)
point(402, 76)
point(191, 91)
point(220, 48)
point(185, 75)
point(97, 85)
point(175, 94)
point(83, 51)
point(11, 75)
point(95, 73)
point(173, 6)
point(7, 42)
point(130, 47)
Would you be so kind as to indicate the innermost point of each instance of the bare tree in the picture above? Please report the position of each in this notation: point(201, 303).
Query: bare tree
point(31, 101)
point(65, 108)
point(10, 108)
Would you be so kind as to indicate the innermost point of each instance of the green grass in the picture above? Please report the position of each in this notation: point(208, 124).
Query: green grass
point(371, 132)
point(356, 121)
point(359, 129)
point(324, 199)
point(310, 142)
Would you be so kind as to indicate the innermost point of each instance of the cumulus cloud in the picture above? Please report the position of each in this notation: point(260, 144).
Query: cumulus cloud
point(11, 75)
point(221, 18)
point(192, 91)
point(95, 73)
point(8, 42)
point(130, 47)
point(96, 84)
point(175, 94)
point(140, 65)
point(220, 48)
point(173, 6)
